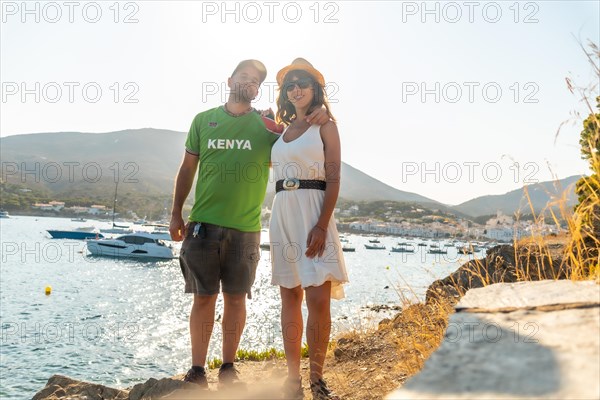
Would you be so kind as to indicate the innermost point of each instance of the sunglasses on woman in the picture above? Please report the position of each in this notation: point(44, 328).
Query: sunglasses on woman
point(300, 83)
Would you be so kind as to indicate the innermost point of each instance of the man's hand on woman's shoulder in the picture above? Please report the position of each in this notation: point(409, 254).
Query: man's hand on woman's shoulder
point(318, 116)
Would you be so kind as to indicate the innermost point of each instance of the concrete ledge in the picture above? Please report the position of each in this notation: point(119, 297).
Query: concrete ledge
point(526, 353)
point(530, 295)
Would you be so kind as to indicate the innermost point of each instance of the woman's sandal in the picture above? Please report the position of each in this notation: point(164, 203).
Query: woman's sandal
point(320, 391)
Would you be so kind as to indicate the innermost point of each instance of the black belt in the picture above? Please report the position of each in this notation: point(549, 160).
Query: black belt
point(293, 184)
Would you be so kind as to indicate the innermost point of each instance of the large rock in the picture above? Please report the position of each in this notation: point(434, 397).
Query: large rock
point(523, 340)
point(155, 389)
point(269, 374)
point(62, 387)
point(502, 264)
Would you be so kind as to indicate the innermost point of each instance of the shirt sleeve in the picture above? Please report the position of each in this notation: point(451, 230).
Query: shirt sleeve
point(192, 143)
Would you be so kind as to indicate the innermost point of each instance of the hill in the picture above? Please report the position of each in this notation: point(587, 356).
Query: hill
point(540, 194)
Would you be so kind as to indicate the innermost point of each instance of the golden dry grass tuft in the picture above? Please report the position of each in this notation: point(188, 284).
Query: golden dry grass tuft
point(370, 364)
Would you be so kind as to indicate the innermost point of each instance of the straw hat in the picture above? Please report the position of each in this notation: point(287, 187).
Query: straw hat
point(300, 64)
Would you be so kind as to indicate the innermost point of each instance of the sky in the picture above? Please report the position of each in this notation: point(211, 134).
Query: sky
point(451, 100)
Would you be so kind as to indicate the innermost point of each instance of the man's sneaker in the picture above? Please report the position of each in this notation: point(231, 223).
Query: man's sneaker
point(228, 375)
point(197, 377)
point(292, 389)
point(320, 391)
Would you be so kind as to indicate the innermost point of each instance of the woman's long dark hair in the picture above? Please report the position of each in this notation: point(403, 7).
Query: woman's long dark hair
point(286, 112)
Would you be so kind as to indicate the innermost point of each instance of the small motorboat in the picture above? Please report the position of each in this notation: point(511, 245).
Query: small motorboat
point(403, 249)
point(374, 247)
point(348, 249)
point(88, 232)
point(4, 214)
point(133, 245)
point(434, 250)
point(374, 241)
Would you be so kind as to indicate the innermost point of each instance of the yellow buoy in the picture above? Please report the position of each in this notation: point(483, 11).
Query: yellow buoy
point(48, 290)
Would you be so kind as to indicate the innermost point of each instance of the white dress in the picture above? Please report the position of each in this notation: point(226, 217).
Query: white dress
point(296, 212)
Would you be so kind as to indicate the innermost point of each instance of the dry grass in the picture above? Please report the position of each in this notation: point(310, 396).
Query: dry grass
point(370, 364)
point(584, 226)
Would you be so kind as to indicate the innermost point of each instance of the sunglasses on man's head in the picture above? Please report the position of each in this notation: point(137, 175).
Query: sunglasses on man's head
point(301, 83)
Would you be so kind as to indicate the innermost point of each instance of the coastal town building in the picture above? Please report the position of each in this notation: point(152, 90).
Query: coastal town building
point(51, 206)
point(58, 206)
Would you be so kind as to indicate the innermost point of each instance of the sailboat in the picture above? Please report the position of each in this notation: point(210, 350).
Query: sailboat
point(121, 229)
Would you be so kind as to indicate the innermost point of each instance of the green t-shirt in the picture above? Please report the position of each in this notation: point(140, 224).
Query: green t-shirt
point(233, 170)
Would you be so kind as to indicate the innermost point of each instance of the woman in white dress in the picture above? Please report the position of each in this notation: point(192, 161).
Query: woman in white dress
point(305, 247)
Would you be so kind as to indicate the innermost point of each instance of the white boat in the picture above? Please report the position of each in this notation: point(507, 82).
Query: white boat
point(374, 247)
point(433, 250)
point(4, 214)
point(136, 245)
point(403, 249)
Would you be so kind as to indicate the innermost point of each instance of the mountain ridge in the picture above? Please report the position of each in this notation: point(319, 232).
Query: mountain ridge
point(151, 157)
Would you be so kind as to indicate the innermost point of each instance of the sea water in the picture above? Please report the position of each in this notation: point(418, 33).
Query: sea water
point(119, 322)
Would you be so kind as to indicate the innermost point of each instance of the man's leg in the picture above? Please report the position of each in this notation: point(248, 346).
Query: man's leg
point(239, 259)
point(234, 320)
point(202, 320)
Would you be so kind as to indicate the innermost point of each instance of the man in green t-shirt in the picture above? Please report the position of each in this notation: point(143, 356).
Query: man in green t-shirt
point(230, 147)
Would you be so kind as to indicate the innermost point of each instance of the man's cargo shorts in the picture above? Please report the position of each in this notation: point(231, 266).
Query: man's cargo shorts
point(212, 254)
